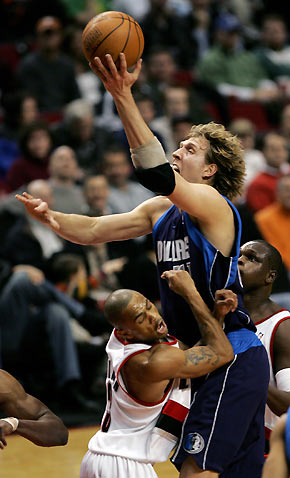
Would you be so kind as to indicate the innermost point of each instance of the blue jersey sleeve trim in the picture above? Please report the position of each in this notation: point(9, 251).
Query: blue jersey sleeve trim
point(238, 226)
point(243, 339)
point(209, 250)
point(287, 436)
point(195, 233)
point(157, 223)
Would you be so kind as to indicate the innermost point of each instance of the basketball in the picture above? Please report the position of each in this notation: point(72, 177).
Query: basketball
point(113, 33)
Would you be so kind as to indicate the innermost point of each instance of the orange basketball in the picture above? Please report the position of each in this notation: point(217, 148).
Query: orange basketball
point(113, 33)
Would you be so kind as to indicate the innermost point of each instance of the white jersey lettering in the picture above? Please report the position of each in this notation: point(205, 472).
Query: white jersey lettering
point(173, 251)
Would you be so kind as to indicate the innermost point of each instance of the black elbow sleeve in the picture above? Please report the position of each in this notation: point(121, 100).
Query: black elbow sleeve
point(160, 180)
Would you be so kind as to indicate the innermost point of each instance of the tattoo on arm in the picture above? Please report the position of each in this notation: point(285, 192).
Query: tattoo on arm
point(202, 354)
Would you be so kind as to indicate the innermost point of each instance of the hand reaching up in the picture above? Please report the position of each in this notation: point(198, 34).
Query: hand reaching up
point(116, 81)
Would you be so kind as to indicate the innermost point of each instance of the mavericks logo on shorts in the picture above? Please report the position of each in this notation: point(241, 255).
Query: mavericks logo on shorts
point(193, 443)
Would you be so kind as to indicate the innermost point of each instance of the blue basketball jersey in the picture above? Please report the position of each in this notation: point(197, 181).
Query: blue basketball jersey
point(179, 244)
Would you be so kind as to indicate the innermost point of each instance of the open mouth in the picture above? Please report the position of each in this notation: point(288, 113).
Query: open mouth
point(175, 168)
point(161, 327)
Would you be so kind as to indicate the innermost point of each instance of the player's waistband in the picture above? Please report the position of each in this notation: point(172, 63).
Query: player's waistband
point(243, 339)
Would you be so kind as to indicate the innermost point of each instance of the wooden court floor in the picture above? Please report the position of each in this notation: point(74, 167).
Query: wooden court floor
point(23, 459)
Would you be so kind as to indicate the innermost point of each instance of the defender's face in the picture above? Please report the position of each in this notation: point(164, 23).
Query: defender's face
point(189, 160)
point(143, 320)
point(253, 265)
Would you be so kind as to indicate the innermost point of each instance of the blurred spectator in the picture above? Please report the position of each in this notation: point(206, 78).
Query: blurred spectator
point(255, 161)
point(250, 230)
point(147, 281)
point(124, 194)
point(101, 267)
point(181, 126)
point(197, 27)
point(83, 10)
point(231, 69)
point(79, 132)
point(35, 143)
point(47, 73)
point(179, 101)
point(32, 318)
point(96, 193)
point(160, 72)
point(29, 241)
point(180, 7)
point(18, 18)
point(89, 84)
point(274, 51)
point(274, 220)
point(63, 175)
point(68, 273)
point(90, 329)
point(147, 109)
point(20, 109)
point(161, 26)
point(284, 127)
point(261, 191)
point(137, 10)
point(247, 11)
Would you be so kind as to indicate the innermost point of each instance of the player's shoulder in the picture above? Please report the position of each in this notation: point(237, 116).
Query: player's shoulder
point(148, 356)
point(283, 327)
point(8, 384)
point(156, 206)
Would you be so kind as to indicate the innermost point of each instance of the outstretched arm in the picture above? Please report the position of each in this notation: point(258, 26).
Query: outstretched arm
point(36, 422)
point(278, 398)
point(93, 230)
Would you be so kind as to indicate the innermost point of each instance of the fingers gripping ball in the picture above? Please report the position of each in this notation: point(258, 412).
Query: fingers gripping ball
point(113, 33)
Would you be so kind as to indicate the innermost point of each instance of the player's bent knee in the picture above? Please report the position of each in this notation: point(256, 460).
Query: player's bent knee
point(190, 469)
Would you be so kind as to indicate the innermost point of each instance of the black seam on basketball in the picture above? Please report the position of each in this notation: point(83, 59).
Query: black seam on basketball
point(128, 36)
point(114, 18)
point(109, 34)
point(139, 43)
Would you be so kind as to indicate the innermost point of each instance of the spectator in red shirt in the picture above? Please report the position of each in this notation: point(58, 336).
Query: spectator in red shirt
point(35, 144)
point(262, 190)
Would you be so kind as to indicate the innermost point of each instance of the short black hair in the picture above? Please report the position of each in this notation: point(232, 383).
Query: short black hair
point(115, 305)
point(62, 266)
point(274, 256)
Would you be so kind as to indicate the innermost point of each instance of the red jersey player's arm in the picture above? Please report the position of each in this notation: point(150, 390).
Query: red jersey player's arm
point(36, 422)
point(279, 397)
point(276, 463)
point(162, 362)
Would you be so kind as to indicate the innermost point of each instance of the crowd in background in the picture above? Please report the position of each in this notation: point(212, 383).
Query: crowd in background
point(61, 140)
